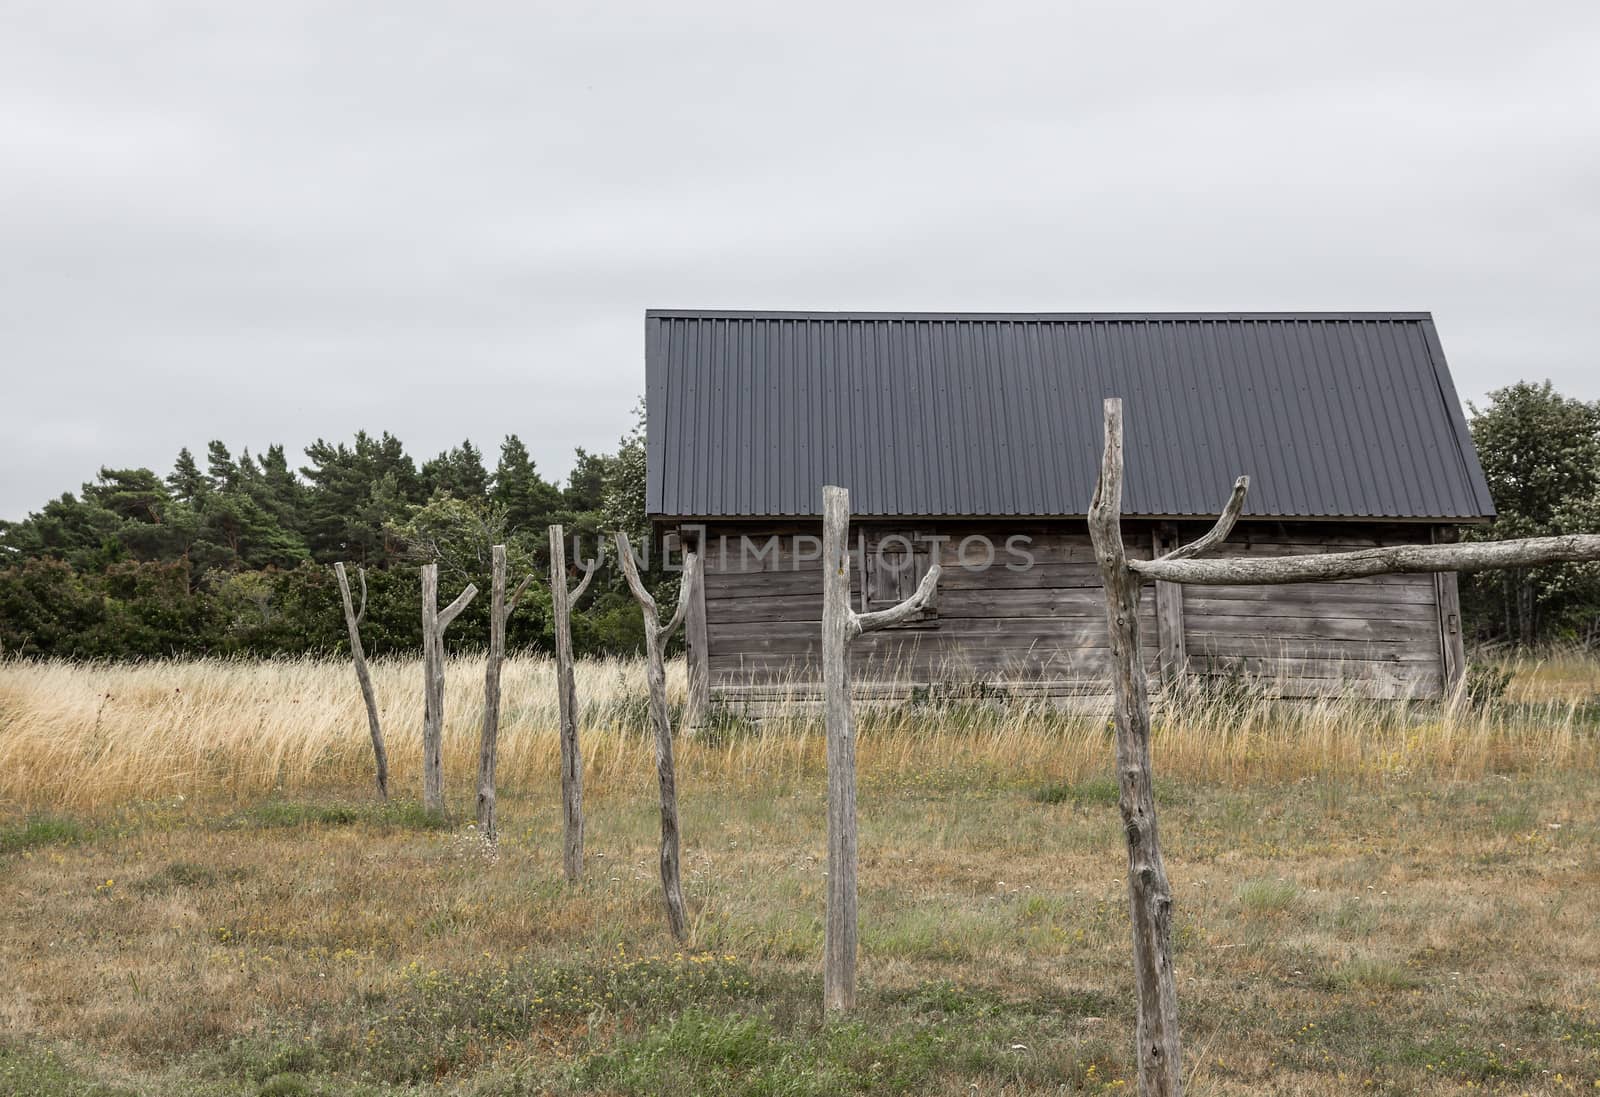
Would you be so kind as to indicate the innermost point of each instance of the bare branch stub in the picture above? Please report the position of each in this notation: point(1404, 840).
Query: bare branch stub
point(516, 595)
point(1218, 533)
point(589, 569)
point(920, 600)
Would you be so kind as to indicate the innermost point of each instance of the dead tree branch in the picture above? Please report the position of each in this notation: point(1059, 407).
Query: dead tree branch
point(1219, 532)
point(352, 621)
point(1389, 560)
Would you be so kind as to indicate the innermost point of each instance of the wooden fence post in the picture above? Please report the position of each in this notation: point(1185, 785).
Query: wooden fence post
point(1149, 896)
point(840, 625)
point(1174, 655)
point(352, 622)
point(697, 657)
point(561, 602)
point(655, 641)
point(500, 610)
point(434, 623)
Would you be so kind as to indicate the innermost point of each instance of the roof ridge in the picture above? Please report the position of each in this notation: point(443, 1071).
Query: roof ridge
point(1409, 316)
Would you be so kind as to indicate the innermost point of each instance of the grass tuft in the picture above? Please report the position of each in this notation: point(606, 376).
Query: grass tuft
point(1089, 791)
point(1269, 896)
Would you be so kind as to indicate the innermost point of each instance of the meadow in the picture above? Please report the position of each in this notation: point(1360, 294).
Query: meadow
point(202, 895)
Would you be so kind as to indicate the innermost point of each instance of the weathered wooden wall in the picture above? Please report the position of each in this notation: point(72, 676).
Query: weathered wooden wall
point(1376, 637)
point(1042, 630)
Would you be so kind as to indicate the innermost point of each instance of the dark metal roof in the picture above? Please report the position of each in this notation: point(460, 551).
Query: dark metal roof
point(1331, 414)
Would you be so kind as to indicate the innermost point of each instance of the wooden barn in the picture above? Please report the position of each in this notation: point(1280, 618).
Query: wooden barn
point(974, 440)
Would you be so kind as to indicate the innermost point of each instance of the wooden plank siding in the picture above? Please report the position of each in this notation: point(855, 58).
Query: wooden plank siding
point(1041, 631)
point(1375, 637)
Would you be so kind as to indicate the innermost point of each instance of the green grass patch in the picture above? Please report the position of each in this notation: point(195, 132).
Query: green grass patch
point(706, 1054)
point(37, 1072)
point(279, 814)
point(1090, 791)
point(1368, 974)
point(187, 875)
point(440, 1023)
point(42, 830)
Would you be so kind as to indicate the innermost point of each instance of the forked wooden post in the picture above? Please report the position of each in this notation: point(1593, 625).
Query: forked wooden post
point(655, 641)
point(561, 602)
point(1149, 896)
point(434, 623)
point(840, 625)
point(500, 609)
point(352, 622)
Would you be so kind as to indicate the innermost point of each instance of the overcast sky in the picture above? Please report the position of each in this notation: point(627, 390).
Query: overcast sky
point(277, 221)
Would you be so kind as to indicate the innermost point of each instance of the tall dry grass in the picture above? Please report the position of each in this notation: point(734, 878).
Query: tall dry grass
point(91, 736)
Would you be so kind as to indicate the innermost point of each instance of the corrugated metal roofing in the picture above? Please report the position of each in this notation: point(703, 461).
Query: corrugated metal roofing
point(1331, 414)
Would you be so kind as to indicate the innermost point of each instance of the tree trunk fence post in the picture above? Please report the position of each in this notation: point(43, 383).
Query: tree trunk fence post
point(352, 622)
point(434, 623)
point(1150, 898)
point(561, 602)
point(655, 641)
point(500, 610)
point(840, 625)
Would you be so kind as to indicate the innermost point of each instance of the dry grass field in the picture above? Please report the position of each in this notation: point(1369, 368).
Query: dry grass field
point(201, 897)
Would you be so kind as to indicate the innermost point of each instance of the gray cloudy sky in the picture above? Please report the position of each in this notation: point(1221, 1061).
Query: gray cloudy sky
point(273, 221)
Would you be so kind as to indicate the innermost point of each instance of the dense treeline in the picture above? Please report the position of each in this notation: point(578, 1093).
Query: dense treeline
point(232, 557)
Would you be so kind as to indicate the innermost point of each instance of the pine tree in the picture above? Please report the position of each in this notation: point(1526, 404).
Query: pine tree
point(531, 502)
point(220, 465)
point(458, 473)
point(186, 481)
